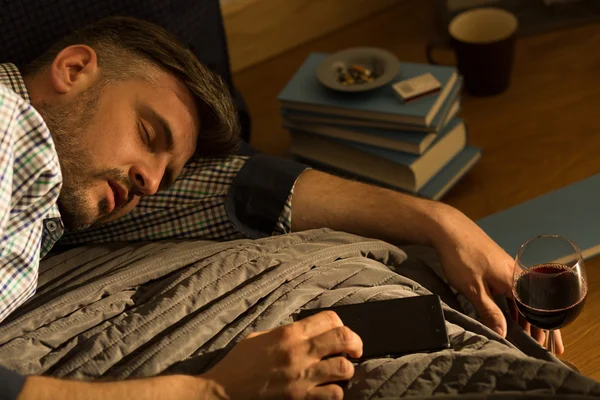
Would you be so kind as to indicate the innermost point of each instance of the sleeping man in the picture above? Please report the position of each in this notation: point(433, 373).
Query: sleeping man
point(118, 133)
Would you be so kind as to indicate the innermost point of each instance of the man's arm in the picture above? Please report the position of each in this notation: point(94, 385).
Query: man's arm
point(472, 262)
point(321, 200)
point(178, 387)
point(296, 361)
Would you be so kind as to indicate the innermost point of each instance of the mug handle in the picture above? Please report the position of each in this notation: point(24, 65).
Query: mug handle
point(432, 46)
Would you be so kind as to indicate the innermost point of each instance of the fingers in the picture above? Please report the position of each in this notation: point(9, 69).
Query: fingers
point(486, 308)
point(560, 347)
point(319, 323)
point(537, 334)
point(331, 370)
point(540, 335)
point(258, 333)
point(327, 392)
point(513, 310)
point(336, 341)
point(524, 324)
point(309, 326)
point(502, 282)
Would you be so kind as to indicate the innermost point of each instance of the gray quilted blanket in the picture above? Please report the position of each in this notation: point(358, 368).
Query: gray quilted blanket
point(134, 310)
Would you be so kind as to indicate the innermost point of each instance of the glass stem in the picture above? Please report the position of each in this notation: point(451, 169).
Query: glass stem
point(550, 342)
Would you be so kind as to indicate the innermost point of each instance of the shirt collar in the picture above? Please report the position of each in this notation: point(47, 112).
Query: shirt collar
point(11, 77)
point(53, 212)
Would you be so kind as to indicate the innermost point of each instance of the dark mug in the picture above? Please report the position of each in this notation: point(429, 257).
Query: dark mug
point(484, 42)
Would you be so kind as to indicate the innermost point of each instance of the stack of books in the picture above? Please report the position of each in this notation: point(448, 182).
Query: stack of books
point(418, 146)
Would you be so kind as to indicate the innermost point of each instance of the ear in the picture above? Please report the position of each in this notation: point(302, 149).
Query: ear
point(74, 69)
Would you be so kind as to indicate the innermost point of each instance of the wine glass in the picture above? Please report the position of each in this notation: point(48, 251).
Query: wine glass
point(549, 283)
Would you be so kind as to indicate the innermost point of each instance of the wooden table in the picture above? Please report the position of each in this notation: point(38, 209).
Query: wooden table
point(541, 134)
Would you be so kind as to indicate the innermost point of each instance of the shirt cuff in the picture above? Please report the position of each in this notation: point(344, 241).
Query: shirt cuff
point(259, 199)
point(11, 384)
point(284, 224)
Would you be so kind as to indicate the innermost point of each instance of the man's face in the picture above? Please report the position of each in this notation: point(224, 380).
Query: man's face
point(116, 144)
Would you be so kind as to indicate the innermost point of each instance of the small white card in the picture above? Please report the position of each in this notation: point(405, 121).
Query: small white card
point(410, 89)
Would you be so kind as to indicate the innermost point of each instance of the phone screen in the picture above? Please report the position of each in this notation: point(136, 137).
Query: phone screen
point(394, 327)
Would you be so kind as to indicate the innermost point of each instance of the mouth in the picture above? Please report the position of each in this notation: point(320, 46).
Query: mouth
point(119, 193)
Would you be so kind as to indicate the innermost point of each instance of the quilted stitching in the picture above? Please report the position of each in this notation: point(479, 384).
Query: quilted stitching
point(272, 279)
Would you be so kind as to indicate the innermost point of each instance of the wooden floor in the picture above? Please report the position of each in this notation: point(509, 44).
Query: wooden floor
point(541, 134)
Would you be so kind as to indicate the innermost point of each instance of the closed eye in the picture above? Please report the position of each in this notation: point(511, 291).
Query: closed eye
point(146, 136)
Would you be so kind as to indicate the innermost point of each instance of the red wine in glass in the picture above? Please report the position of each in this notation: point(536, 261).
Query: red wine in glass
point(549, 283)
point(550, 296)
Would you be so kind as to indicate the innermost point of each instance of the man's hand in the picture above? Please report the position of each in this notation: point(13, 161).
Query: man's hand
point(473, 263)
point(288, 362)
point(477, 267)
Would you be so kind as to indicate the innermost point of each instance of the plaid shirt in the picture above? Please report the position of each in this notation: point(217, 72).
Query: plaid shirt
point(30, 181)
point(193, 208)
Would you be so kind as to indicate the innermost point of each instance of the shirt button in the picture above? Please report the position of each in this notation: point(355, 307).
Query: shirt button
point(51, 225)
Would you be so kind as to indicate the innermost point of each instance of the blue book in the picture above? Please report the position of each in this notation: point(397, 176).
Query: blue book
point(305, 92)
point(439, 121)
point(436, 188)
point(392, 139)
point(570, 211)
point(458, 167)
point(402, 170)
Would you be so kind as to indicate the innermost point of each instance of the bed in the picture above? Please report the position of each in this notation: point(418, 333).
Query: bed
point(122, 311)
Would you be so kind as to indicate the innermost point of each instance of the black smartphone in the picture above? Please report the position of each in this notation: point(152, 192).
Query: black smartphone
point(394, 327)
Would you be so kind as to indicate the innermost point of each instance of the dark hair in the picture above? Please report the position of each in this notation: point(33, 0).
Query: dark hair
point(124, 45)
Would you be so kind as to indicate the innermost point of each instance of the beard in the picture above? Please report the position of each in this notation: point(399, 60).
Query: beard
point(68, 123)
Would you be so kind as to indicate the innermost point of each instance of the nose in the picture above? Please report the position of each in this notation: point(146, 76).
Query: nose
point(146, 179)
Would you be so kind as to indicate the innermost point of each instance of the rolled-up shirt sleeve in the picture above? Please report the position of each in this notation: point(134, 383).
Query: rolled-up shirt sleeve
point(259, 202)
point(11, 384)
point(241, 196)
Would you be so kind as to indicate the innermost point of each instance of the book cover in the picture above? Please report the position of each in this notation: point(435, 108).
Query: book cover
point(404, 158)
point(449, 176)
point(403, 170)
point(405, 141)
point(435, 189)
point(300, 117)
point(439, 121)
point(570, 211)
point(304, 92)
